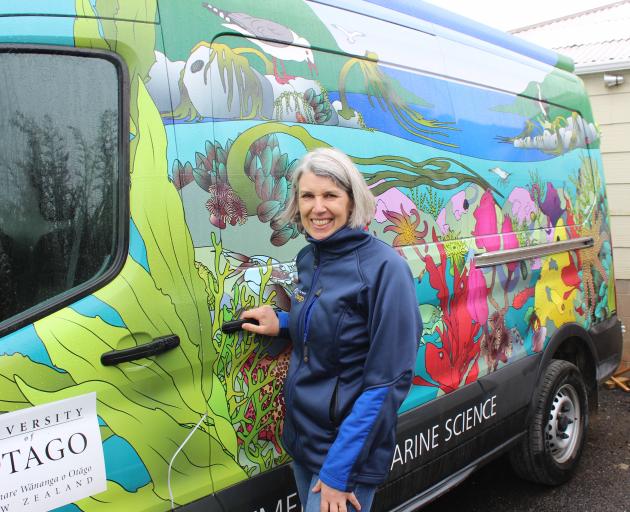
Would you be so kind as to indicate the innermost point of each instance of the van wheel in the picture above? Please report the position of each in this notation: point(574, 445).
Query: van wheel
point(551, 448)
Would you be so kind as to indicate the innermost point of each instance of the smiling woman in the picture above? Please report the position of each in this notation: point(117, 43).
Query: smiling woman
point(354, 323)
point(324, 207)
point(327, 193)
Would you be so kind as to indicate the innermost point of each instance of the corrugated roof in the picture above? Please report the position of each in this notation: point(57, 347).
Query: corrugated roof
point(596, 40)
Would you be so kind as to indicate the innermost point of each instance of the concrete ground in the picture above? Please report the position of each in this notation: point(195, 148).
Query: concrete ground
point(601, 483)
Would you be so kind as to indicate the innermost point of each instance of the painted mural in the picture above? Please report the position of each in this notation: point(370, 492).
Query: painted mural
point(217, 126)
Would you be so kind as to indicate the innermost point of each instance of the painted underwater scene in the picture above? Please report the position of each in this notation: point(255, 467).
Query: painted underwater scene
point(217, 126)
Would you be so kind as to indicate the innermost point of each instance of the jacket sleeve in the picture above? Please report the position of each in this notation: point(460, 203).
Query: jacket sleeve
point(283, 319)
point(394, 326)
point(274, 346)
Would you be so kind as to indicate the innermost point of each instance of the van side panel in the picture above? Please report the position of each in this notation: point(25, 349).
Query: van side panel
point(146, 408)
point(471, 150)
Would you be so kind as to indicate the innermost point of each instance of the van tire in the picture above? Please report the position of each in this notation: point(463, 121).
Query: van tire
point(551, 449)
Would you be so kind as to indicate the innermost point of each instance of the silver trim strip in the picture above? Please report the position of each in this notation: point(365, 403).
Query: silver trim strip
point(490, 259)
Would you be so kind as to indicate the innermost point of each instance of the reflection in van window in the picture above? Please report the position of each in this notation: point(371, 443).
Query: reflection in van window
point(59, 150)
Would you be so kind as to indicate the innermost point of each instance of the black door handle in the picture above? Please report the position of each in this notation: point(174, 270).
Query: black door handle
point(153, 348)
point(237, 325)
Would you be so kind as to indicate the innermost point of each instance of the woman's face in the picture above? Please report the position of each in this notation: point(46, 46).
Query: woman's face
point(324, 206)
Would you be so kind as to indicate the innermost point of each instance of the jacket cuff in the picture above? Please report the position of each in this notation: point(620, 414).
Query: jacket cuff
point(335, 483)
point(283, 318)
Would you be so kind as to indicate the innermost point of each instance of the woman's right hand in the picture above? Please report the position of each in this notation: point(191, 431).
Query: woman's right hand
point(268, 323)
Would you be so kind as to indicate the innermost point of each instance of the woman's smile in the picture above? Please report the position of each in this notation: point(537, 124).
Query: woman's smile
point(321, 222)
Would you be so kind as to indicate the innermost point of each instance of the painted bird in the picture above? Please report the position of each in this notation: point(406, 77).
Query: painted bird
point(273, 38)
point(542, 104)
point(350, 35)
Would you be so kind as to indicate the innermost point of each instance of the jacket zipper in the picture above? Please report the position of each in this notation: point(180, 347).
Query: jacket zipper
point(307, 321)
point(303, 313)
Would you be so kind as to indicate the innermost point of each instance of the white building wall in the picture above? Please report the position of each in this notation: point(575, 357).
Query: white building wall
point(611, 108)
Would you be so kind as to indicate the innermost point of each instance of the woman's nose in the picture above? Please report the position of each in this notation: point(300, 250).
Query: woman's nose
point(319, 204)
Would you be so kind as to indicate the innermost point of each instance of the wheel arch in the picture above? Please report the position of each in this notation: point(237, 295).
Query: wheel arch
point(573, 343)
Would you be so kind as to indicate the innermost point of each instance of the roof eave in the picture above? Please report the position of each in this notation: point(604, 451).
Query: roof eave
point(601, 67)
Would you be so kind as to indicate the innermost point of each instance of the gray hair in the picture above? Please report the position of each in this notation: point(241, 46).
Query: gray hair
point(337, 166)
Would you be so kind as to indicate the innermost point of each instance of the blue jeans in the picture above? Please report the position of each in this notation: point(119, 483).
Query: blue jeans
point(306, 480)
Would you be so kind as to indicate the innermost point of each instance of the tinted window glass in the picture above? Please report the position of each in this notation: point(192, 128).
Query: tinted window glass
point(59, 150)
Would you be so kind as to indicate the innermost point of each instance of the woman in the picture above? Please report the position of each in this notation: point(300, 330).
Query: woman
point(355, 325)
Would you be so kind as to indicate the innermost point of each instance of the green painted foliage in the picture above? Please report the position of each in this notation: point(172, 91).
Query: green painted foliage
point(172, 298)
point(558, 88)
point(249, 380)
point(588, 187)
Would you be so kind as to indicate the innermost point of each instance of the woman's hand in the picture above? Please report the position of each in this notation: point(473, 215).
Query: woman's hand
point(333, 500)
point(268, 323)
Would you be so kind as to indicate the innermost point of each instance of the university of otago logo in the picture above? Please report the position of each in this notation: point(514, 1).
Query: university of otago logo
point(299, 295)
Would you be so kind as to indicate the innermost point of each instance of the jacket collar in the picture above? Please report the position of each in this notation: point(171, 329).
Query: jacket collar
point(343, 240)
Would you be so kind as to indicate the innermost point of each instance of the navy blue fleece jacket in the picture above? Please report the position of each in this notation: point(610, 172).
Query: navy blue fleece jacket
point(355, 326)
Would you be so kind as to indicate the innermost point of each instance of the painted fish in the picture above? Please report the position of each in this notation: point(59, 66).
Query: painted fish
point(503, 175)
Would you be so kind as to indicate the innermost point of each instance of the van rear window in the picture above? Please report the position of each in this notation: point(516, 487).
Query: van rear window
point(59, 148)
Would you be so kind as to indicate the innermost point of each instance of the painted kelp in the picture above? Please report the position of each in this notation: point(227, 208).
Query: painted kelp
point(217, 126)
point(492, 206)
point(158, 289)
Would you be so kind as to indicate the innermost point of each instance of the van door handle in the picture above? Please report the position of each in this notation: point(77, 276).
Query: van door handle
point(153, 348)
